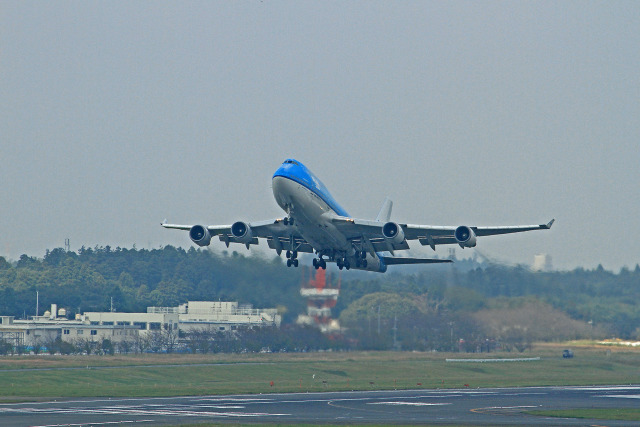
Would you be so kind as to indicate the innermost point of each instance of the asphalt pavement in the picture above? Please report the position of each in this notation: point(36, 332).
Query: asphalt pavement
point(493, 406)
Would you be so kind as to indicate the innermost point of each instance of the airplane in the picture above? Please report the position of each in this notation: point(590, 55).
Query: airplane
point(316, 223)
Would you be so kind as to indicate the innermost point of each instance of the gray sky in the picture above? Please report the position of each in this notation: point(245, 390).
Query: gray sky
point(116, 115)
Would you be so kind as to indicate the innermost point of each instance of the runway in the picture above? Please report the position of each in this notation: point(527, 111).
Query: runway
point(504, 406)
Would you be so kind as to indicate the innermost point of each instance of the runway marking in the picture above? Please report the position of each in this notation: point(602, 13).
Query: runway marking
point(623, 396)
point(500, 409)
point(143, 410)
point(98, 424)
point(409, 403)
point(598, 388)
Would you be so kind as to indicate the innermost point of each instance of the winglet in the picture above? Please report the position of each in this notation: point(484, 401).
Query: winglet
point(548, 225)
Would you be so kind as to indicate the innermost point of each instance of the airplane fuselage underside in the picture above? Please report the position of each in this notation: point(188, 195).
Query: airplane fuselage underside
point(312, 219)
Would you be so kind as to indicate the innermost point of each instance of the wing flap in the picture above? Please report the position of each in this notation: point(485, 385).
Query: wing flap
point(280, 243)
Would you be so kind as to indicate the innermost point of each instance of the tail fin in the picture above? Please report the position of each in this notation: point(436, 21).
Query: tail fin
point(385, 212)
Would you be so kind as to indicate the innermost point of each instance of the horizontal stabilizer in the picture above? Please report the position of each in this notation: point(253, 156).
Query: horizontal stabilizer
point(397, 260)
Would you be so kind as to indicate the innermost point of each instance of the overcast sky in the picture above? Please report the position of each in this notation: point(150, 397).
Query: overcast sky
point(116, 115)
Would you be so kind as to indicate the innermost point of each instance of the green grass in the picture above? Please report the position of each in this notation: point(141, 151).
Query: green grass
point(158, 375)
point(624, 414)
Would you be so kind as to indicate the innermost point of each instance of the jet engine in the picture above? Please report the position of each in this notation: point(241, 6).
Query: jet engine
point(200, 235)
point(393, 232)
point(242, 232)
point(465, 237)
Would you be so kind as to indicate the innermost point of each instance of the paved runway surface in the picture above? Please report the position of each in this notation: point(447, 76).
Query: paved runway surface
point(469, 406)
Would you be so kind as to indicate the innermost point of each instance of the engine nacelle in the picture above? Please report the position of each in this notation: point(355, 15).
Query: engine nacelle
point(465, 237)
point(393, 233)
point(242, 232)
point(200, 235)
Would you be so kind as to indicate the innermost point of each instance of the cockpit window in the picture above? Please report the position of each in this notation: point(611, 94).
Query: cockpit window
point(292, 162)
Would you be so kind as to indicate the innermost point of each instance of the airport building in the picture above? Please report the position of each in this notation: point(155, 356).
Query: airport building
point(40, 330)
point(219, 315)
point(542, 262)
point(117, 327)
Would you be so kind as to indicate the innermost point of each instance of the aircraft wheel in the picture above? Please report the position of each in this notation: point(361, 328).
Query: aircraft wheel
point(323, 264)
point(364, 263)
point(294, 254)
point(290, 221)
point(285, 221)
point(347, 265)
point(288, 254)
point(363, 254)
point(295, 262)
point(315, 263)
point(288, 263)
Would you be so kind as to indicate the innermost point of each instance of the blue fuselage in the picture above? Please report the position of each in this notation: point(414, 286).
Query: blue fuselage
point(308, 201)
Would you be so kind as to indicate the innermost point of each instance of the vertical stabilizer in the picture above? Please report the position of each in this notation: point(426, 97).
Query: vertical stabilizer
point(385, 212)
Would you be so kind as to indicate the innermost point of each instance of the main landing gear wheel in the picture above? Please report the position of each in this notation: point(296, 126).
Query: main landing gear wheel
point(361, 254)
point(319, 263)
point(361, 262)
point(343, 263)
point(292, 258)
point(288, 221)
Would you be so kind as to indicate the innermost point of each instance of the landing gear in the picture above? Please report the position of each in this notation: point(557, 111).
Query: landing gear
point(288, 221)
point(343, 263)
point(361, 254)
point(292, 255)
point(319, 263)
point(292, 258)
point(361, 259)
point(361, 262)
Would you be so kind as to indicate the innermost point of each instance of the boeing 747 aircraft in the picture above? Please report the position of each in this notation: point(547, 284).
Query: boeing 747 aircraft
point(316, 223)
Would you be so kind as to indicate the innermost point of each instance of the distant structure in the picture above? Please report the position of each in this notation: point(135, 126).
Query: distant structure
point(321, 296)
point(117, 327)
point(542, 262)
point(220, 315)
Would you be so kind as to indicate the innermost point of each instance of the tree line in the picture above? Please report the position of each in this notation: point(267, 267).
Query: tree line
point(464, 307)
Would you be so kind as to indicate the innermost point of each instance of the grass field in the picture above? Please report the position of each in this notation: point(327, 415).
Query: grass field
point(45, 377)
point(623, 414)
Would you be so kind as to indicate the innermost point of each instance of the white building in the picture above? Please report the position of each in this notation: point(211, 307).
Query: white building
point(219, 315)
point(143, 322)
point(41, 330)
point(542, 262)
point(116, 327)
